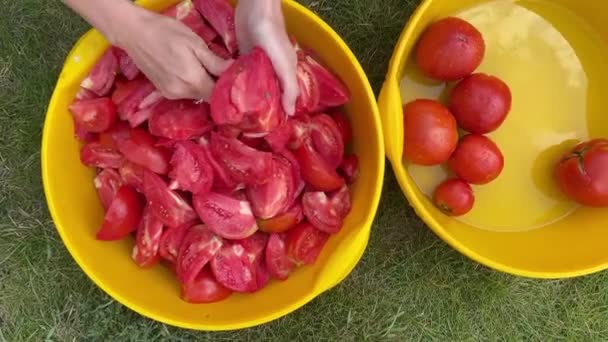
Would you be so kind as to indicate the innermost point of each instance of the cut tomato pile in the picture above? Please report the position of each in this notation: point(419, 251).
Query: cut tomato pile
point(229, 193)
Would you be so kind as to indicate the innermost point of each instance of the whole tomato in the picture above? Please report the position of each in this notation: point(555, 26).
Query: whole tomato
point(477, 159)
point(480, 103)
point(430, 132)
point(454, 197)
point(450, 49)
point(582, 174)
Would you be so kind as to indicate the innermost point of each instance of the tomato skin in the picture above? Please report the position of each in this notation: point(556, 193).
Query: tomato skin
point(582, 174)
point(454, 197)
point(204, 289)
point(477, 159)
point(122, 216)
point(316, 171)
point(450, 49)
point(430, 133)
point(480, 103)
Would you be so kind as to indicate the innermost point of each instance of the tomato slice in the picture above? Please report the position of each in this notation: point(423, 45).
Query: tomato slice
point(283, 222)
point(327, 214)
point(94, 154)
point(115, 135)
point(308, 100)
point(204, 289)
point(197, 249)
point(332, 92)
point(191, 169)
point(107, 183)
point(343, 125)
point(327, 139)
point(122, 216)
point(316, 171)
point(222, 182)
point(243, 163)
point(226, 216)
point(169, 207)
point(275, 196)
point(147, 241)
point(179, 119)
point(140, 148)
point(189, 16)
point(171, 241)
point(96, 115)
point(133, 175)
point(233, 269)
point(278, 263)
point(304, 243)
point(220, 14)
point(350, 168)
point(127, 66)
point(101, 78)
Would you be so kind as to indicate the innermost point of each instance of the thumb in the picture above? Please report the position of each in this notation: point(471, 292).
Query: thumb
point(214, 64)
point(284, 61)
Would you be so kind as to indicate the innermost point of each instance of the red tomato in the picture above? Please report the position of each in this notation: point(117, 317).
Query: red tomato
point(480, 103)
point(101, 78)
point(222, 182)
point(197, 248)
point(477, 159)
point(96, 115)
point(179, 119)
point(128, 68)
point(140, 148)
point(233, 269)
point(171, 240)
point(316, 171)
point(308, 100)
point(278, 263)
point(454, 197)
point(304, 243)
point(189, 16)
point(255, 246)
point(220, 14)
point(122, 216)
point(147, 241)
point(204, 289)
point(332, 92)
point(133, 175)
point(168, 206)
point(115, 135)
point(582, 174)
point(450, 49)
point(327, 139)
point(134, 95)
point(430, 133)
point(275, 196)
point(95, 154)
point(283, 222)
point(191, 169)
point(326, 214)
point(107, 183)
point(226, 216)
point(350, 168)
point(343, 125)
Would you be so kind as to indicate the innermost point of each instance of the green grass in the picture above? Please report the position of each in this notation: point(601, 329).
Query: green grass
point(408, 286)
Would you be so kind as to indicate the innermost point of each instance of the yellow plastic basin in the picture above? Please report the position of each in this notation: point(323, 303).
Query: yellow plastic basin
point(554, 56)
point(154, 293)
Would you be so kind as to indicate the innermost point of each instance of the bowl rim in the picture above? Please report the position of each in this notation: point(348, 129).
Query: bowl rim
point(398, 58)
point(317, 290)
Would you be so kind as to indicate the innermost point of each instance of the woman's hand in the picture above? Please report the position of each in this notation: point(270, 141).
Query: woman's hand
point(260, 23)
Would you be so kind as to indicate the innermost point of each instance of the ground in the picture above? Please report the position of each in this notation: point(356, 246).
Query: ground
point(408, 286)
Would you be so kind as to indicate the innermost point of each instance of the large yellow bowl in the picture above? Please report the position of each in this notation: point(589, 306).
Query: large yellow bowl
point(154, 293)
point(554, 56)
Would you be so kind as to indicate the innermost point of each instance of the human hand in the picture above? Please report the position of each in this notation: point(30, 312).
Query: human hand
point(260, 23)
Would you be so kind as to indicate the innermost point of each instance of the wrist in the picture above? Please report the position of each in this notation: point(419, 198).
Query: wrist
point(121, 22)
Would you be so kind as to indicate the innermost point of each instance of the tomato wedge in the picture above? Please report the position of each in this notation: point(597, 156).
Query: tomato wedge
point(327, 139)
point(283, 222)
point(233, 269)
point(107, 183)
point(280, 137)
point(122, 216)
point(222, 182)
point(115, 135)
point(278, 263)
point(350, 168)
point(275, 196)
point(316, 171)
point(127, 66)
point(204, 289)
point(226, 216)
point(147, 241)
point(96, 115)
point(134, 95)
point(94, 154)
point(332, 92)
point(326, 214)
point(343, 125)
point(179, 119)
point(101, 78)
point(308, 100)
point(171, 241)
point(169, 207)
point(189, 16)
point(197, 248)
point(304, 243)
point(140, 148)
point(191, 169)
point(133, 175)
point(220, 14)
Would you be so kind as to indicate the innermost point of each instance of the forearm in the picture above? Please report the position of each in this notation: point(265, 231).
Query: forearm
point(107, 16)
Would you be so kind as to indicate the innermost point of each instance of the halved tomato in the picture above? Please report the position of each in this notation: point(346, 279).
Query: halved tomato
point(168, 206)
point(101, 78)
point(278, 263)
point(243, 163)
point(191, 169)
point(316, 171)
point(350, 168)
point(179, 119)
point(94, 154)
point(147, 241)
point(284, 222)
point(133, 175)
point(171, 241)
point(96, 115)
point(140, 148)
point(327, 139)
point(220, 14)
point(122, 216)
point(196, 250)
point(226, 216)
point(275, 196)
point(304, 243)
point(107, 183)
point(204, 289)
point(233, 269)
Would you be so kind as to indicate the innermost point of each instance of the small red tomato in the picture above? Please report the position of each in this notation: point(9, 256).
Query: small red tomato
point(480, 103)
point(122, 216)
point(582, 174)
point(477, 159)
point(450, 49)
point(430, 132)
point(454, 197)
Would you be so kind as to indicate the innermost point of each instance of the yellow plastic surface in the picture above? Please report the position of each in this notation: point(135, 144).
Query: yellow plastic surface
point(554, 57)
point(154, 293)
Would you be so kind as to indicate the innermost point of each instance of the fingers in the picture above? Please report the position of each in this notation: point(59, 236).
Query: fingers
point(214, 64)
